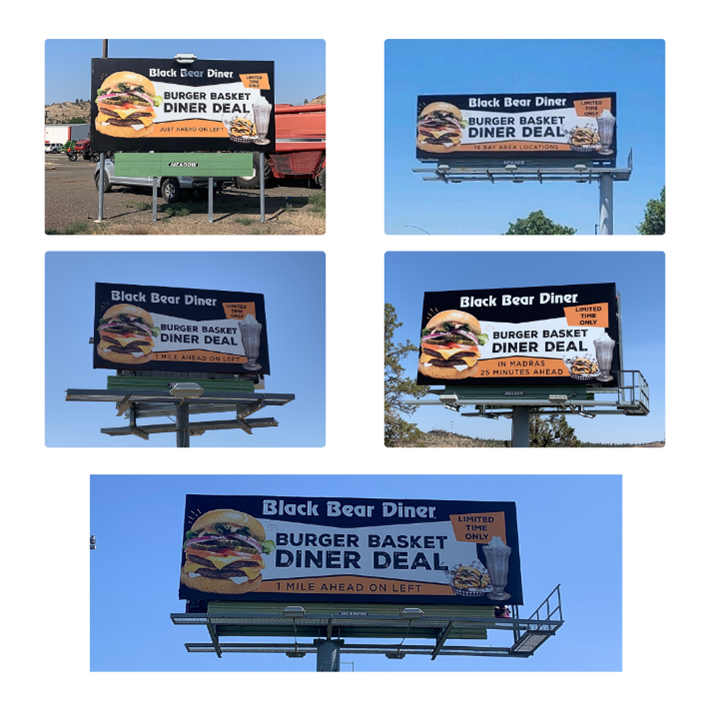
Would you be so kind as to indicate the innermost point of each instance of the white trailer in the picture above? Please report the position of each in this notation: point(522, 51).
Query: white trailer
point(63, 132)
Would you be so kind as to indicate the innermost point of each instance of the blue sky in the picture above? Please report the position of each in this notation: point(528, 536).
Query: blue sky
point(293, 284)
point(299, 64)
point(640, 280)
point(635, 69)
point(570, 534)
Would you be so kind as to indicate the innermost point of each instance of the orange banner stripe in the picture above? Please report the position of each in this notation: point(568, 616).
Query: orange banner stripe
point(349, 584)
point(189, 128)
point(591, 108)
point(511, 145)
point(239, 311)
point(198, 356)
point(595, 315)
point(478, 527)
point(522, 367)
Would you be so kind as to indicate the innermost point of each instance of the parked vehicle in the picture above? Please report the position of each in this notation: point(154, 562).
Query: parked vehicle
point(171, 188)
point(53, 147)
point(300, 147)
point(83, 148)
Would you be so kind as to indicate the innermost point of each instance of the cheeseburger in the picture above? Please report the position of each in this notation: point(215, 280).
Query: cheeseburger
point(126, 335)
point(126, 104)
point(223, 553)
point(439, 128)
point(449, 347)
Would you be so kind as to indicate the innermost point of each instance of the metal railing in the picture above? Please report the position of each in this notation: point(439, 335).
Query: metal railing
point(446, 631)
point(553, 611)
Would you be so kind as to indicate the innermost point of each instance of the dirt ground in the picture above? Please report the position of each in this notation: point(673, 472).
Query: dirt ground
point(72, 202)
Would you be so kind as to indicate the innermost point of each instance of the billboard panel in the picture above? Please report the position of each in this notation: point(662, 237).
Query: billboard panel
point(527, 127)
point(270, 548)
point(163, 105)
point(543, 335)
point(179, 330)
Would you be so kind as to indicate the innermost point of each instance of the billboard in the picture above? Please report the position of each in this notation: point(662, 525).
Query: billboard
point(542, 335)
point(162, 105)
point(179, 330)
point(526, 127)
point(270, 548)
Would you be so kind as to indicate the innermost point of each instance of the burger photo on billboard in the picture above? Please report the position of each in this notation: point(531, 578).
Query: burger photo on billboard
point(449, 346)
point(126, 103)
point(223, 553)
point(439, 127)
point(126, 335)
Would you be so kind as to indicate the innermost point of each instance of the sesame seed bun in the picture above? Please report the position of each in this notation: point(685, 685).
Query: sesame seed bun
point(130, 78)
point(455, 317)
point(444, 108)
point(235, 518)
point(128, 309)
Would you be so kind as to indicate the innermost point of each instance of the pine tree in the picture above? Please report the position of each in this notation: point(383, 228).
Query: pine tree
point(398, 431)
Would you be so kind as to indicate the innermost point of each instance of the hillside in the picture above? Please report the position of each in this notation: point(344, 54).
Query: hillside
point(63, 113)
point(437, 438)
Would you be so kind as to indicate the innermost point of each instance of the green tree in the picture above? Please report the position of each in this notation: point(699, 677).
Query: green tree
point(654, 218)
point(77, 119)
point(398, 431)
point(552, 432)
point(538, 223)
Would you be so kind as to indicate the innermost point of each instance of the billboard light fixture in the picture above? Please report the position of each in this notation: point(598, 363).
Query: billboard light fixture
point(294, 612)
point(411, 613)
point(185, 390)
point(512, 167)
point(185, 58)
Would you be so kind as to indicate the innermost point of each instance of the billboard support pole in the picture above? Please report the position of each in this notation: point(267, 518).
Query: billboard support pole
point(182, 424)
point(210, 198)
point(520, 436)
point(155, 198)
point(328, 654)
point(606, 204)
point(262, 191)
point(102, 177)
point(102, 156)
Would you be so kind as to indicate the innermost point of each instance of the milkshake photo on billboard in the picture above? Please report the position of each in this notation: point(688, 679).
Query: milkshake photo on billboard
point(554, 363)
